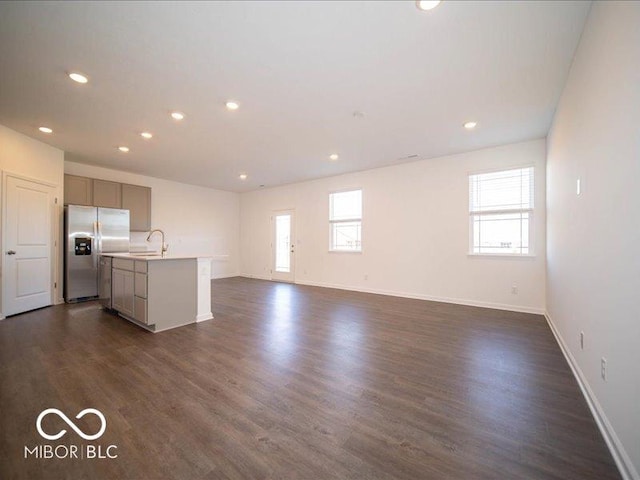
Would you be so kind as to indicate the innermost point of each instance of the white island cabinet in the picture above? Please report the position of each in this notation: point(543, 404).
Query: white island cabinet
point(159, 293)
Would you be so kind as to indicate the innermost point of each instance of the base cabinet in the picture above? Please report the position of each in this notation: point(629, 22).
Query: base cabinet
point(158, 294)
point(140, 310)
point(129, 283)
point(140, 292)
point(123, 289)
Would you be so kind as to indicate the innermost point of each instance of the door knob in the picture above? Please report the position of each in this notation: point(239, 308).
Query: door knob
point(11, 252)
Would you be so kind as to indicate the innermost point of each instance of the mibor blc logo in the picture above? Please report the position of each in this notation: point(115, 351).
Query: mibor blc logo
point(46, 412)
point(64, 451)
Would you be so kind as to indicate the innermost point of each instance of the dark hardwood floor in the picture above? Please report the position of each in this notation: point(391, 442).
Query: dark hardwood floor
point(299, 382)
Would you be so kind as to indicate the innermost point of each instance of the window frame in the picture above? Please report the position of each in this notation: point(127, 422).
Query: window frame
point(348, 220)
point(529, 211)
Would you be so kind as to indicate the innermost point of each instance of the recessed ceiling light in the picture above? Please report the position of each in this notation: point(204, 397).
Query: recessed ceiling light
point(231, 105)
point(45, 130)
point(78, 77)
point(177, 115)
point(333, 157)
point(146, 135)
point(243, 176)
point(123, 149)
point(470, 125)
point(427, 4)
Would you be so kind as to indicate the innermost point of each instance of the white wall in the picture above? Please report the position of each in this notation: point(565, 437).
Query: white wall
point(196, 220)
point(415, 232)
point(593, 265)
point(30, 158)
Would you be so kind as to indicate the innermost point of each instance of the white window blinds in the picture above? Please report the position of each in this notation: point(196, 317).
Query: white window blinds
point(345, 220)
point(501, 209)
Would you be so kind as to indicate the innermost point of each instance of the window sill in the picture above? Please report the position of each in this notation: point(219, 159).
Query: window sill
point(358, 252)
point(502, 255)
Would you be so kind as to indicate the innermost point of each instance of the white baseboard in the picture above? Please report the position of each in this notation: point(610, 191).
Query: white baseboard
point(257, 277)
point(618, 452)
point(226, 275)
point(431, 298)
point(204, 316)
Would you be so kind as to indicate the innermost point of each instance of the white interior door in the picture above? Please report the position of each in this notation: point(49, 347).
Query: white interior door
point(27, 245)
point(283, 246)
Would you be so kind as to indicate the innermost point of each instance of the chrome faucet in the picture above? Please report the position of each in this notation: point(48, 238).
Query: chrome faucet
point(165, 247)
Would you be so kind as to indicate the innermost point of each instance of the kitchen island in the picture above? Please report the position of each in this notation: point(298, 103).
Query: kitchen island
point(159, 292)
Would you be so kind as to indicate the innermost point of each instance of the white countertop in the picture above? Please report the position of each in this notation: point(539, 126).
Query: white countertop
point(153, 257)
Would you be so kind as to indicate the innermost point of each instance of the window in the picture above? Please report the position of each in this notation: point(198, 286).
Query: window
point(345, 219)
point(501, 211)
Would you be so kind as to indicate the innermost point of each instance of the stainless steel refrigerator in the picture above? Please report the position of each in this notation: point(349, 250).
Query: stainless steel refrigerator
point(89, 232)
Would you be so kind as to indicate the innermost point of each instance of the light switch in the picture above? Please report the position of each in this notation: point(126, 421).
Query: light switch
point(578, 187)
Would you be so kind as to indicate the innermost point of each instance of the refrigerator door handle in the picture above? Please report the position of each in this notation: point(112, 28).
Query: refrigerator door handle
point(100, 245)
point(97, 242)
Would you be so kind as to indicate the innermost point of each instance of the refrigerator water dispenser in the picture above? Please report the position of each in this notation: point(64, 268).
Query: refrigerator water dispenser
point(83, 246)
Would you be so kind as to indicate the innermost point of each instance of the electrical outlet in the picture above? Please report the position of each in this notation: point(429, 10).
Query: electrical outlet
point(603, 368)
point(366, 276)
point(514, 289)
point(581, 340)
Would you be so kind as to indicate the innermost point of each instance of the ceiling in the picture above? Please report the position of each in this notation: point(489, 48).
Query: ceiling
point(299, 71)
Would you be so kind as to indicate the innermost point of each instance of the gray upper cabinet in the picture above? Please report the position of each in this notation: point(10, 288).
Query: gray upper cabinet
point(103, 193)
point(107, 194)
point(137, 200)
point(78, 190)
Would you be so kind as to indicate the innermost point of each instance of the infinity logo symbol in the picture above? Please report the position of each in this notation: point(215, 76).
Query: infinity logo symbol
point(46, 412)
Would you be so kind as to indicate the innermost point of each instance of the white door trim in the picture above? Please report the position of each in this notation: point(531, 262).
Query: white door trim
point(54, 233)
